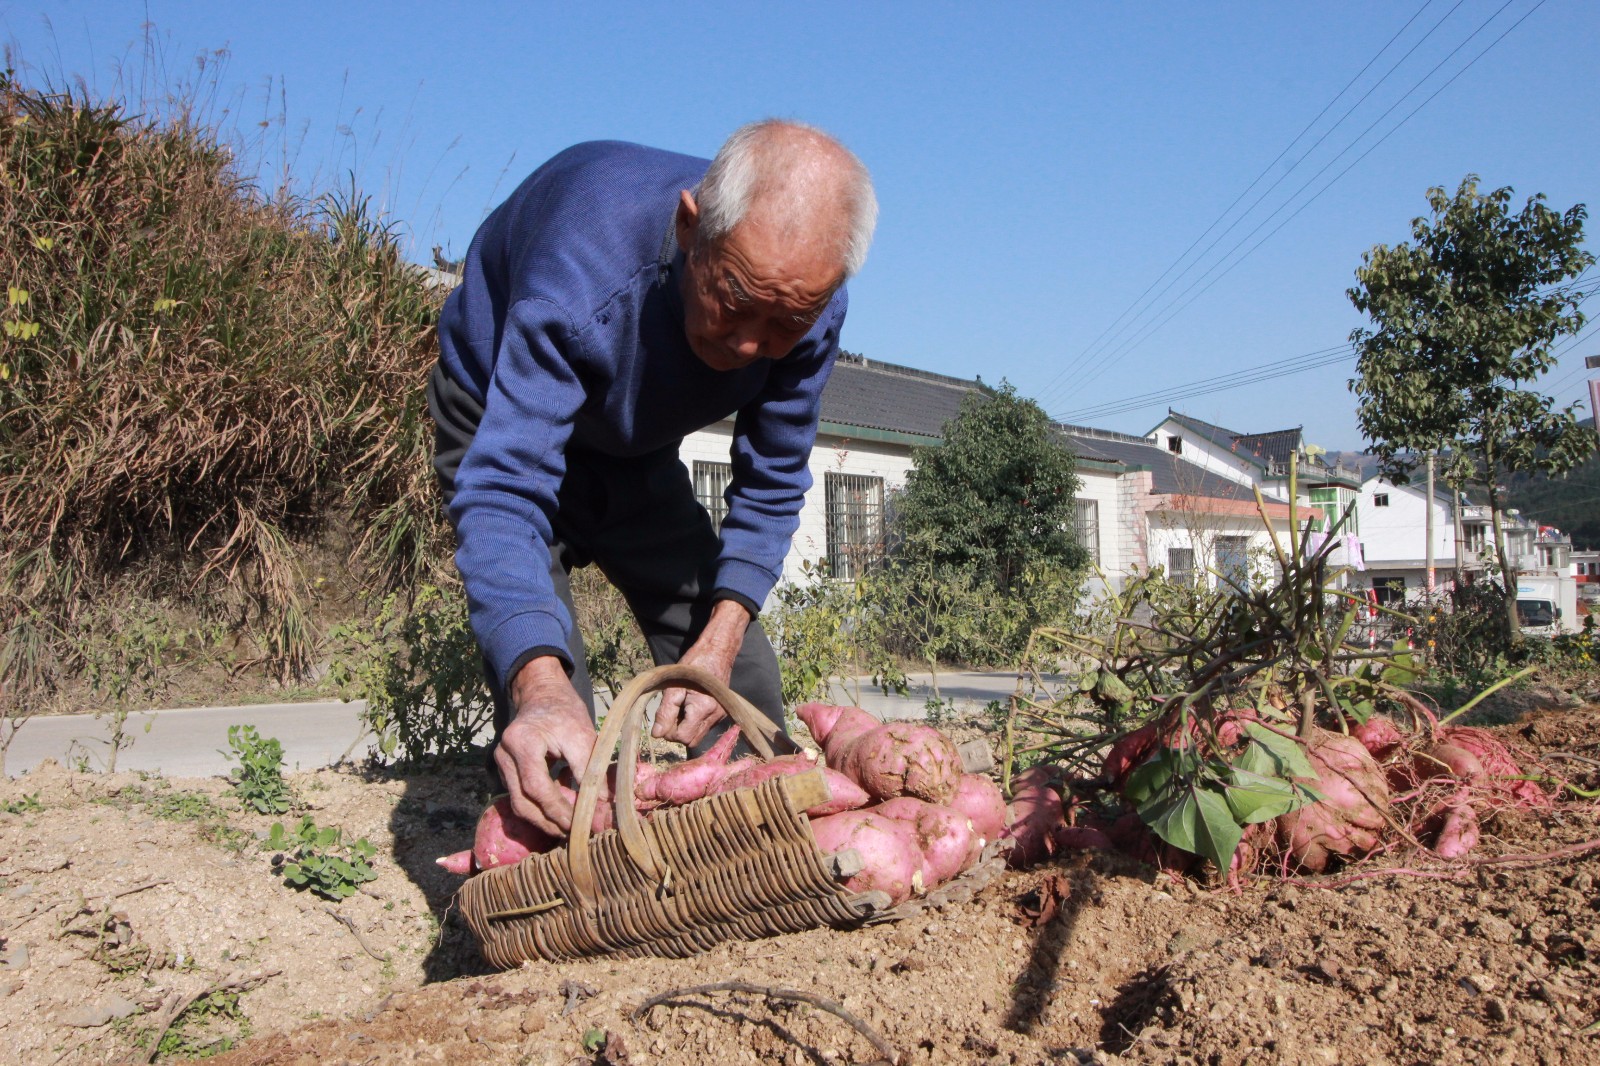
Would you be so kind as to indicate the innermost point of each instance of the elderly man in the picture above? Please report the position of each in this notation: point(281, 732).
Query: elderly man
point(621, 298)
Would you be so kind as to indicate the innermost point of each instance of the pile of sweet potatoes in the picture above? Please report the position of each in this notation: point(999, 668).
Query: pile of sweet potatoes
point(1377, 787)
point(901, 802)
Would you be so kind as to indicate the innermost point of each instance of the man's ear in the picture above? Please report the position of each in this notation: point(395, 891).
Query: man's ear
point(687, 220)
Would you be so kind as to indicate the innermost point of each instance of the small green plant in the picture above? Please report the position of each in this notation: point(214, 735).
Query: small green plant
point(317, 858)
point(162, 801)
point(810, 633)
point(419, 669)
point(26, 805)
point(194, 1033)
point(258, 779)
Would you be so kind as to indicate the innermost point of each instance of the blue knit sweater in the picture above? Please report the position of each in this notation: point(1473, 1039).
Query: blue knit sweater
point(568, 327)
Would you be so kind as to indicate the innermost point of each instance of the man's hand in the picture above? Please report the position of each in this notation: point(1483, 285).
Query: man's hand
point(551, 722)
point(686, 716)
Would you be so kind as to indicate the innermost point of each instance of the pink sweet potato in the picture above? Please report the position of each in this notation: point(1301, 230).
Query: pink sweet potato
point(898, 759)
point(847, 795)
point(1129, 752)
point(888, 848)
point(500, 840)
point(1458, 827)
point(944, 836)
point(690, 779)
point(1084, 837)
point(1443, 759)
point(1500, 768)
point(1348, 821)
point(835, 728)
point(1036, 816)
point(980, 800)
point(1379, 735)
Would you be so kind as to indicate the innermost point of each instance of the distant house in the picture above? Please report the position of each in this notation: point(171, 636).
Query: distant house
point(1138, 506)
point(873, 415)
point(1165, 510)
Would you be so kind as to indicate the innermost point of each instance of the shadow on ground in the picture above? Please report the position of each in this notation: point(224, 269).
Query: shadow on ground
point(436, 815)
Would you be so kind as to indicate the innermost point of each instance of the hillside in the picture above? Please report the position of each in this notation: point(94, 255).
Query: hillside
point(1571, 504)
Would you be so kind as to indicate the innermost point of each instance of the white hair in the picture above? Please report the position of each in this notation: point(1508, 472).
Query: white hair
point(813, 168)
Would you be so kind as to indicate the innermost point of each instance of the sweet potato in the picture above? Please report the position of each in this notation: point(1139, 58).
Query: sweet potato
point(1129, 752)
point(1443, 759)
point(835, 728)
point(1500, 768)
point(1379, 735)
point(690, 779)
point(888, 848)
point(898, 759)
point(1458, 826)
point(1036, 816)
point(847, 795)
point(980, 800)
point(500, 840)
point(944, 836)
point(1347, 822)
point(1231, 725)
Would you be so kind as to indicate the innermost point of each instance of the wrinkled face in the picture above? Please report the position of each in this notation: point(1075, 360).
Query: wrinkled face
point(751, 295)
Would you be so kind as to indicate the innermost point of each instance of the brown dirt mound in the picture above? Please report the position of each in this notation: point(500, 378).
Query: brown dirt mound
point(1494, 964)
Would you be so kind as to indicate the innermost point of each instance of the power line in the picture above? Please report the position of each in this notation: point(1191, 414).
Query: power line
point(1092, 347)
point(1107, 410)
point(1105, 361)
point(1241, 376)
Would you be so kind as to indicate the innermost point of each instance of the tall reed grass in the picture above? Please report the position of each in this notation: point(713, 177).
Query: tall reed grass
point(195, 380)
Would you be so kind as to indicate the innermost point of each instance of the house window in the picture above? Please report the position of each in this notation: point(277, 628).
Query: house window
point(1472, 538)
point(1233, 559)
point(1089, 528)
point(1175, 445)
point(1180, 566)
point(854, 504)
point(1390, 590)
point(711, 481)
point(1380, 499)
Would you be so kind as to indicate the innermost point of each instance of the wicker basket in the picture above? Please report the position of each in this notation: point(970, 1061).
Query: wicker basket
point(738, 865)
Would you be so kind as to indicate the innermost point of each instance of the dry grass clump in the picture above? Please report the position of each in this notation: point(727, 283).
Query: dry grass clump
point(192, 381)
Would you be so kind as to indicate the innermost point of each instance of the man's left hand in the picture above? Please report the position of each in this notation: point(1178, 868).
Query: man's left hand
point(686, 716)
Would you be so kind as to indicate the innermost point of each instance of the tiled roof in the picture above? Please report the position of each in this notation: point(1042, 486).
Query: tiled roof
point(882, 396)
point(1274, 446)
point(1170, 474)
point(873, 395)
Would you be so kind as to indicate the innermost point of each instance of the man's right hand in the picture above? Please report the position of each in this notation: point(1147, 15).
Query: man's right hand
point(550, 723)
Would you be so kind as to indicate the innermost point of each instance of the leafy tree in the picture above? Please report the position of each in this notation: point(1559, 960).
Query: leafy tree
point(996, 498)
point(1462, 319)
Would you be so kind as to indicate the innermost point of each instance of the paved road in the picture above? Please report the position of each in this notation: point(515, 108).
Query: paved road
point(191, 742)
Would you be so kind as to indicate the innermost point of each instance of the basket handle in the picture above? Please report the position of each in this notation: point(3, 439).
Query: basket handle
point(621, 731)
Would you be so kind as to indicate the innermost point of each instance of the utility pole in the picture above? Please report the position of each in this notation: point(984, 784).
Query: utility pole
point(1455, 511)
point(1429, 526)
point(1592, 362)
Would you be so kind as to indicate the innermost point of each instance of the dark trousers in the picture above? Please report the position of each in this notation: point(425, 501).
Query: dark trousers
point(638, 520)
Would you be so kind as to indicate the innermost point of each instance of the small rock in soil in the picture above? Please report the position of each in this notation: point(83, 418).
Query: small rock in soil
point(92, 1015)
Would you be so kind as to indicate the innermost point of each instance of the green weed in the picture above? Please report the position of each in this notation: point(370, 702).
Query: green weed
point(318, 858)
point(28, 804)
point(258, 779)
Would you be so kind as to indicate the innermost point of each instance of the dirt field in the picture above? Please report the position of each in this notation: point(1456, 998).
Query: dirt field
point(142, 916)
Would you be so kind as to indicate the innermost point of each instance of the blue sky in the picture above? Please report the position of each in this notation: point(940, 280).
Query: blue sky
point(1040, 166)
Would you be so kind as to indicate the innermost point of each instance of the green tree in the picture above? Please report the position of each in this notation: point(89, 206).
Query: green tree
point(996, 498)
point(1462, 319)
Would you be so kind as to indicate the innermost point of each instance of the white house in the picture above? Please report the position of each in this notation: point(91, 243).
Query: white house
point(873, 415)
point(1139, 505)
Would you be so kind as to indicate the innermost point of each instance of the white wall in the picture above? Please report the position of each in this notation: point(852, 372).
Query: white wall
point(841, 455)
point(1204, 453)
point(1199, 532)
point(1399, 531)
point(1101, 487)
